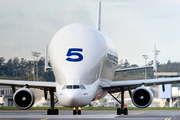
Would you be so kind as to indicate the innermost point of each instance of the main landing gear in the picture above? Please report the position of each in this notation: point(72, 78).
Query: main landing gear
point(121, 110)
point(77, 110)
point(52, 111)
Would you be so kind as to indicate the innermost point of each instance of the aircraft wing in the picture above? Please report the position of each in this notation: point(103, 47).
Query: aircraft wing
point(115, 86)
point(154, 66)
point(133, 68)
point(31, 84)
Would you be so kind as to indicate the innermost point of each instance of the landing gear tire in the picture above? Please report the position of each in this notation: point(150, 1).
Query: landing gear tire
point(56, 112)
point(79, 112)
point(49, 112)
point(118, 111)
point(74, 112)
point(121, 110)
point(52, 112)
point(125, 111)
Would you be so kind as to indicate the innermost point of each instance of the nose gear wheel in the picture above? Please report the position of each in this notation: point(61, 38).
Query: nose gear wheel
point(76, 111)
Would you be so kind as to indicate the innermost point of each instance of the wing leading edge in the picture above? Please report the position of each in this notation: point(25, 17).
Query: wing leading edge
point(32, 84)
point(132, 84)
point(154, 66)
point(134, 68)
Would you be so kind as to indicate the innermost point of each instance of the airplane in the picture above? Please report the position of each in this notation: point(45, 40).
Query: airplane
point(84, 61)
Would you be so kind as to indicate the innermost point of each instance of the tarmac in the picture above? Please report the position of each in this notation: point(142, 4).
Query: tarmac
point(90, 115)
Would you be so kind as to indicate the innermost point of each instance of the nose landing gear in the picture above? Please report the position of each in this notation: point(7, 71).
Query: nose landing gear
point(77, 110)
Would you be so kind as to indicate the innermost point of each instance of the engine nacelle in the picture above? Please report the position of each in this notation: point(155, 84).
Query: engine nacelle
point(142, 97)
point(24, 98)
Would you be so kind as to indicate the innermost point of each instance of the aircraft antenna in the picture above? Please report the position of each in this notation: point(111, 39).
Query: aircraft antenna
point(99, 16)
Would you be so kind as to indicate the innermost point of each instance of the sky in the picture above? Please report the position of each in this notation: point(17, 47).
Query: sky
point(134, 26)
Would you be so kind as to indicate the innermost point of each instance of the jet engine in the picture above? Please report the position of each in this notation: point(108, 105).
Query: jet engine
point(142, 97)
point(23, 98)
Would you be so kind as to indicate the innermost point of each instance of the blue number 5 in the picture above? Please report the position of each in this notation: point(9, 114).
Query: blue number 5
point(74, 51)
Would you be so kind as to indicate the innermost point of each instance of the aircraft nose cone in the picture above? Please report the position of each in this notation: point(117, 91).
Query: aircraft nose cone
point(73, 98)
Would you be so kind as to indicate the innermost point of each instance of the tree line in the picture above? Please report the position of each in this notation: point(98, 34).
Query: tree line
point(140, 74)
point(22, 69)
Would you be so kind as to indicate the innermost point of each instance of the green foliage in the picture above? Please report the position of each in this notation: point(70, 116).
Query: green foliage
point(169, 67)
point(140, 74)
point(21, 69)
point(30, 77)
point(41, 79)
point(11, 78)
point(130, 75)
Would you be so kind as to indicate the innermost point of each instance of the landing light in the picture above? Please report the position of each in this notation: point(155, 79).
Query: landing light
point(74, 108)
point(79, 108)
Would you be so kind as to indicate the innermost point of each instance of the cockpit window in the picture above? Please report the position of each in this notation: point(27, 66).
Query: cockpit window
point(64, 87)
point(73, 87)
point(69, 87)
point(82, 87)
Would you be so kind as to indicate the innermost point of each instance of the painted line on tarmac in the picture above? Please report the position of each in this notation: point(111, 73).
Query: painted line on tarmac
point(167, 119)
point(45, 119)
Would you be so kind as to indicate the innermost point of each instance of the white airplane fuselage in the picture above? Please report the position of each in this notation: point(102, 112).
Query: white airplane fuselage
point(82, 59)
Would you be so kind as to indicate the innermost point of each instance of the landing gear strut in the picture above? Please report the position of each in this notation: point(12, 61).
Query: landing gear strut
point(121, 110)
point(52, 111)
point(77, 111)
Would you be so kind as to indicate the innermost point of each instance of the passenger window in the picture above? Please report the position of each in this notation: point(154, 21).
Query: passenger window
point(110, 57)
point(115, 59)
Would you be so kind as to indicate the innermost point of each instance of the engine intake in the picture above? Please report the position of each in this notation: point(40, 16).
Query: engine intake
point(23, 98)
point(142, 97)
